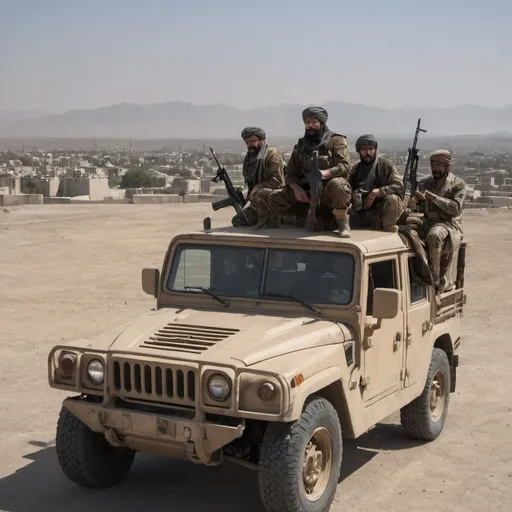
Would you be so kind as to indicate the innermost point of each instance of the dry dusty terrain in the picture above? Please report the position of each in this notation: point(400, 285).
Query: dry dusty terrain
point(71, 271)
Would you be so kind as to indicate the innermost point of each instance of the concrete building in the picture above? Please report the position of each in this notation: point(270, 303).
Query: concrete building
point(48, 187)
point(96, 188)
point(183, 186)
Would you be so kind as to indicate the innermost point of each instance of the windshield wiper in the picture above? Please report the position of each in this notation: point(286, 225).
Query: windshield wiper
point(225, 303)
point(291, 297)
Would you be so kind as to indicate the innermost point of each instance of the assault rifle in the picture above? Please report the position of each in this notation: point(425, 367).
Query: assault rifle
point(235, 195)
point(315, 187)
point(411, 167)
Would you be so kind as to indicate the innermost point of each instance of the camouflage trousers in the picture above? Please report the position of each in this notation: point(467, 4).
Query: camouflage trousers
point(256, 210)
point(384, 214)
point(441, 242)
point(336, 193)
point(440, 258)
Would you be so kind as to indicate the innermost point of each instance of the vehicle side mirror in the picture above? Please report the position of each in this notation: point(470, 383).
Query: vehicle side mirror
point(150, 280)
point(386, 303)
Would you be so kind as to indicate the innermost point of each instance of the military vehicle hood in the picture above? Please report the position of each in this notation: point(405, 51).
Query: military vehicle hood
point(224, 337)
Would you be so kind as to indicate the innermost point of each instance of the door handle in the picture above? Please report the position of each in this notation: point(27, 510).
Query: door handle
point(397, 341)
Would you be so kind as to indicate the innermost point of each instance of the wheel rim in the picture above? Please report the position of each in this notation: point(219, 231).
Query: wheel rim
point(317, 463)
point(437, 396)
point(106, 450)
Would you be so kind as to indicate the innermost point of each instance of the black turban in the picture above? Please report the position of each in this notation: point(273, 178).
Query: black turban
point(318, 113)
point(253, 130)
point(366, 140)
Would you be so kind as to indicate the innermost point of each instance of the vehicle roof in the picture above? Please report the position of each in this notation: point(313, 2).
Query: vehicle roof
point(365, 240)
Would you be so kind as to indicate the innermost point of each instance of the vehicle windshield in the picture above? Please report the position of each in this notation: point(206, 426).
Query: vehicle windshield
point(322, 277)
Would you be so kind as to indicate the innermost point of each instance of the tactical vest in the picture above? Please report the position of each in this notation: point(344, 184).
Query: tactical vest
point(325, 156)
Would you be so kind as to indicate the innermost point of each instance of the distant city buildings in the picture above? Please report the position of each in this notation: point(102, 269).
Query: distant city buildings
point(60, 176)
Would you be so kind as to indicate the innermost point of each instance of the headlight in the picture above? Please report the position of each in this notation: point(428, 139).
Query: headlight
point(95, 371)
point(219, 387)
point(67, 364)
point(267, 392)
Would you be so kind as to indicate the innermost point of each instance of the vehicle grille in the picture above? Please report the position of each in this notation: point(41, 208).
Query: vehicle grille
point(187, 338)
point(154, 382)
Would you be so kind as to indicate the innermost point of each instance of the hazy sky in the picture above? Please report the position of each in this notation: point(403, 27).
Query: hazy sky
point(63, 54)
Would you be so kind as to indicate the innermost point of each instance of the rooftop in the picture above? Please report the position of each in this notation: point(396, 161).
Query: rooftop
point(365, 240)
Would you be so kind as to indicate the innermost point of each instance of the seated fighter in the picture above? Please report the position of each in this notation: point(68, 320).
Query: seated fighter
point(263, 171)
point(333, 162)
point(376, 186)
point(443, 195)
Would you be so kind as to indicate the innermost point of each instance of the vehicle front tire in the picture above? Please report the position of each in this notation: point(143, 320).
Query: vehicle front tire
point(85, 456)
point(300, 462)
point(424, 417)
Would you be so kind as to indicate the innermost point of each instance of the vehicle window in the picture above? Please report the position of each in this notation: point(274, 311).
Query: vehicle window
point(312, 276)
point(322, 277)
point(418, 289)
point(224, 270)
point(193, 269)
point(380, 275)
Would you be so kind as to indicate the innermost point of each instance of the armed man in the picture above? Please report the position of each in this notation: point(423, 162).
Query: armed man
point(333, 162)
point(263, 172)
point(376, 186)
point(443, 195)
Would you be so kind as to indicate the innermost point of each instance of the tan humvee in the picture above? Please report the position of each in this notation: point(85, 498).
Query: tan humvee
point(265, 348)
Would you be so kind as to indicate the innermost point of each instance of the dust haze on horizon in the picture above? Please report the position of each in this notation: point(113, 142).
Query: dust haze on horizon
point(63, 55)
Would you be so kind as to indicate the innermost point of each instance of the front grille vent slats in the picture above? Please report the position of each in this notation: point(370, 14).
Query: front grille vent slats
point(187, 338)
point(153, 382)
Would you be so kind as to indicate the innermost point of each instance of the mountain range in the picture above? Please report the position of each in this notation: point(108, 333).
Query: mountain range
point(184, 120)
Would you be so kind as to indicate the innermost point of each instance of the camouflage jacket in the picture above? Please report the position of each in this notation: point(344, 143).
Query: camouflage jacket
point(445, 207)
point(272, 175)
point(334, 156)
point(385, 177)
point(448, 203)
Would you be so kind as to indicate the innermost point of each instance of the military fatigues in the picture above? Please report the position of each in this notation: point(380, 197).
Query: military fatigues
point(442, 223)
point(270, 177)
point(336, 191)
point(384, 212)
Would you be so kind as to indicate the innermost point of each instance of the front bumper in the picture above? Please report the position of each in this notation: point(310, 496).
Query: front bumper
point(199, 440)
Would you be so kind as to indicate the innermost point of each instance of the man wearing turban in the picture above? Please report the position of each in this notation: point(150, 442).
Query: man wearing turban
point(443, 195)
point(263, 171)
point(333, 162)
point(376, 185)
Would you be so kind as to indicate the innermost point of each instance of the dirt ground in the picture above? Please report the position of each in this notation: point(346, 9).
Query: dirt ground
point(70, 271)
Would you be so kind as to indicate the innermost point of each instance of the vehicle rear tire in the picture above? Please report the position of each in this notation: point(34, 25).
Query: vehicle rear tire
point(424, 418)
point(85, 456)
point(300, 462)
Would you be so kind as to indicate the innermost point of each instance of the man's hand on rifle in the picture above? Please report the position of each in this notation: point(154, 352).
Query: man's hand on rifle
point(419, 196)
point(300, 193)
point(374, 194)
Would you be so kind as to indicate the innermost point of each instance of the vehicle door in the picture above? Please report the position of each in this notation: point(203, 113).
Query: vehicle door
point(418, 326)
point(384, 349)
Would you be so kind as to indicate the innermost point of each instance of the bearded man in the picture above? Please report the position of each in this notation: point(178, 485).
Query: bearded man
point(333, 162)
point(443, 195)
point(376, 186)
point(263, 172)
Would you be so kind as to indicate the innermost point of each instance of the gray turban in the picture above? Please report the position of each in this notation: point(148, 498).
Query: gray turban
point(318, 113)
point(366, 140)
point(253, 130)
